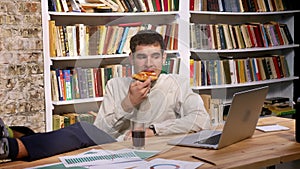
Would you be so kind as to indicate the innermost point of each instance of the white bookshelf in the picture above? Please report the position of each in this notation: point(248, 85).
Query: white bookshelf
point(114, 18)
point(278, 87)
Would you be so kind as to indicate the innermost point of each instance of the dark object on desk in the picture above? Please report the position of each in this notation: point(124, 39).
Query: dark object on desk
point(298, 120)
point(203, 160)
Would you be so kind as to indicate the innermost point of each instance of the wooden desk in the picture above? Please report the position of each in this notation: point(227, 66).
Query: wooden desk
point(263, 149)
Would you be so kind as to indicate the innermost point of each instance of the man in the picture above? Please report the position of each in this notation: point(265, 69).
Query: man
point(167, 106)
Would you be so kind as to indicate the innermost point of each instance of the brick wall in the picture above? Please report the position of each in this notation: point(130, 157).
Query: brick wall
point(21, 64)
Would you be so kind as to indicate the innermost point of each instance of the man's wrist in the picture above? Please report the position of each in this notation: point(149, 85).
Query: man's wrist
point(127, 105)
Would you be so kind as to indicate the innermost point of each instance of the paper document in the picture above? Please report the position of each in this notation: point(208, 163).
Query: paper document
point(101, 157)
point(274, 127)
point(165, 163)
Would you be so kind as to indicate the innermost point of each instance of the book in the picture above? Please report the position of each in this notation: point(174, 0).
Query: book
point(192, 62)
point(241, 70)
point(223, 42)
point(54, 86)
point(238, 32)
point(114, 6)
point(90, 82)
point(273, 100)
point(96, 81)
point(206, 100)
point(74, 6)
point(245, 36)
point(61, 40)
point(284, 65)
point(273, 69)
point(132, 6)
point(60, 82)
point(216, 106)
point(277, 31)
point(117, 40)
point(213, 34)
point(72, 42)
point(94, 39)
point(193, 41)
point(81, 39)
point(278, 66)
point(252, 36)
point(64, 40)
point(120, 5)
point(256, 69)
point(73, 117)
point(158, 5)
point(248, 71)
point(64, 5)
point(197, 73)
point(127, 5)
point(227, 35)
point(287, 33)
point(75, 84)
point(266, 68)
point(67, 84)
point(52, 5)
point(58, 6)
point(150, 5)
point(261, 68)
point(252, 69)
point(52, 38)
point(233, 73)
point(82, 81)
point(56, 122)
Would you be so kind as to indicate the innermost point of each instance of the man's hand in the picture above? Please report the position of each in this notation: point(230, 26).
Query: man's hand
point(138, 91)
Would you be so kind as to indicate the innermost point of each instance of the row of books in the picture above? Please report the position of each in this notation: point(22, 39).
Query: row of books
point(278, 106)
point(239, 36)
point(234, 71)
point(113, 5)
point(66, 119)
point(241, 5)
point(83, 40)
point(216, 108)
point(81, 83)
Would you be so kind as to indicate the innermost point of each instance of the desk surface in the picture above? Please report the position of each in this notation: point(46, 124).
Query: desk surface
point(263, 149)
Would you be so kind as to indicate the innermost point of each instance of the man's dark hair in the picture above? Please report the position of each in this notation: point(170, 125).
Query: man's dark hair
point(146, 37)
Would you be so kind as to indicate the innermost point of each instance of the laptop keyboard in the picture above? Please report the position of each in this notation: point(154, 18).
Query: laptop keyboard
point(213, 140)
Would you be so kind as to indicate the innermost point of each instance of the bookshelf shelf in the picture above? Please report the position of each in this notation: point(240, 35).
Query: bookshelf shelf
point(247, 84)
point(244, 13)
point(110, 14)
point(255, 49)
point(71, 18)
point(90, 57)
point(77, 101)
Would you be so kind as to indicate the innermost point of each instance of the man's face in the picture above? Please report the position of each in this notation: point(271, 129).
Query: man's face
point(148, 58)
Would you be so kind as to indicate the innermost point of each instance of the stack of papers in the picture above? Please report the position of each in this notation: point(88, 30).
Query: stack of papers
point(121, 159)
point(273, 127)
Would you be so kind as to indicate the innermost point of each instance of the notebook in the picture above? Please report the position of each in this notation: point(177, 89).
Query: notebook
point(240, 124)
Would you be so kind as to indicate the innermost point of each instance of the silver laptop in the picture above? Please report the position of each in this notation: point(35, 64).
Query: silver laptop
point(240, 124)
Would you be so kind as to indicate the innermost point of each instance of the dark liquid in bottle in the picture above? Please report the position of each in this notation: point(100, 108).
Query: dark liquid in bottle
point(138, 138)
